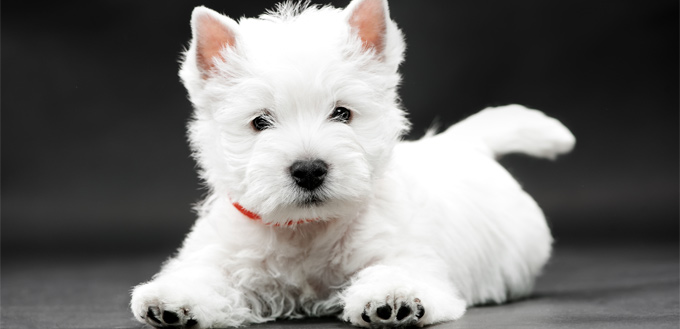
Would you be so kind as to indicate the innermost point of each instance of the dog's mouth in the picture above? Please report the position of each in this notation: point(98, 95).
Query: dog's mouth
point(312, 200)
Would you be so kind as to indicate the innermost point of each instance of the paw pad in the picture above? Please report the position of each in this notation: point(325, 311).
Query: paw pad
point(170, 317)
point(365, 317)
point(421, 311)
point(165, 318)
point(397, 315)
point(404, 311)
point(384, 312)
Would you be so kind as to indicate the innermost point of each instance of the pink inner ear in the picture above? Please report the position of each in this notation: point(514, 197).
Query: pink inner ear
point(212, 37)
point(368, 19)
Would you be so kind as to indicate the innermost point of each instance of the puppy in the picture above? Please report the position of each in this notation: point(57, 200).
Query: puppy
point(316, 207)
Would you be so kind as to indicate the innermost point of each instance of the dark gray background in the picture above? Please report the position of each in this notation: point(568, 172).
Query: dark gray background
point(94, 157)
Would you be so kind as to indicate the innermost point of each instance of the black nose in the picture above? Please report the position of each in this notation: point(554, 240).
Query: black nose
point(309, 174)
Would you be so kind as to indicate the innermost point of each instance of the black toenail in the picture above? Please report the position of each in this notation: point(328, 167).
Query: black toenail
point(151, 316)
point(191, 323)
point(365, 317)
point(421, 311)
point(170, 317)
point(384, 312)
point(404, 311)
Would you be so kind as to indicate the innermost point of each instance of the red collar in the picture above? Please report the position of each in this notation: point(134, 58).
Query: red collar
point(256, 217)
point(246, 212)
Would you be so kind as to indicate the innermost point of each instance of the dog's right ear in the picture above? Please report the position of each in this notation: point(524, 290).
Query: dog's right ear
point(212, 35)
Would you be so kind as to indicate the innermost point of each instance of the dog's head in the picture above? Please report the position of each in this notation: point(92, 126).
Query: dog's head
point(296, 112)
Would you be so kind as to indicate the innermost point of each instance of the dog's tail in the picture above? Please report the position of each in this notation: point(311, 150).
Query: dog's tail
point(514, 129)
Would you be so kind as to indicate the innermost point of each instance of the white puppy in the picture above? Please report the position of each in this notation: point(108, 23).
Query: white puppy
point(316, 207)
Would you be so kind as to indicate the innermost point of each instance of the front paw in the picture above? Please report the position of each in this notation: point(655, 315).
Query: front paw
point(205, 301)
point(386, 296)
point(163, 306)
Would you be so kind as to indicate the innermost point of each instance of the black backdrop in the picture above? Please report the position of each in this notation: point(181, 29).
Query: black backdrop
point(94, 156)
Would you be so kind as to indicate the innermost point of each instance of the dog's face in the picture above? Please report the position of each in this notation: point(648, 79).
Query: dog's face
point(296, 112)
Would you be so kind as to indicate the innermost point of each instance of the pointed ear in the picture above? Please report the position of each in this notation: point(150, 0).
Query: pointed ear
point(368, 18)
point(212, 34)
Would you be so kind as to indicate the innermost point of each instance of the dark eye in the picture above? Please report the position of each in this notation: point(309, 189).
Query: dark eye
point(262, 122)
point(341, 114)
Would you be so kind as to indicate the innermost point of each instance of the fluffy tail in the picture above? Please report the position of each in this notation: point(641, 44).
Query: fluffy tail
point(514, 129)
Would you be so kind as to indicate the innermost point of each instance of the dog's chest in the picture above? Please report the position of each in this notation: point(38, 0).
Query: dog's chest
point(313, 267)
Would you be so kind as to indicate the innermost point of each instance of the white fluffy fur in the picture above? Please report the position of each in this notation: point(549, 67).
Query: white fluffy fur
point(436, 223)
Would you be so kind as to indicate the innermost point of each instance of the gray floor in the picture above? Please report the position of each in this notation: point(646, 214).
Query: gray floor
point(606, 286)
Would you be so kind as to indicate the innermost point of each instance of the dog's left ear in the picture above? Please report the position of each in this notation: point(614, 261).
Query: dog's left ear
point(370, 20)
